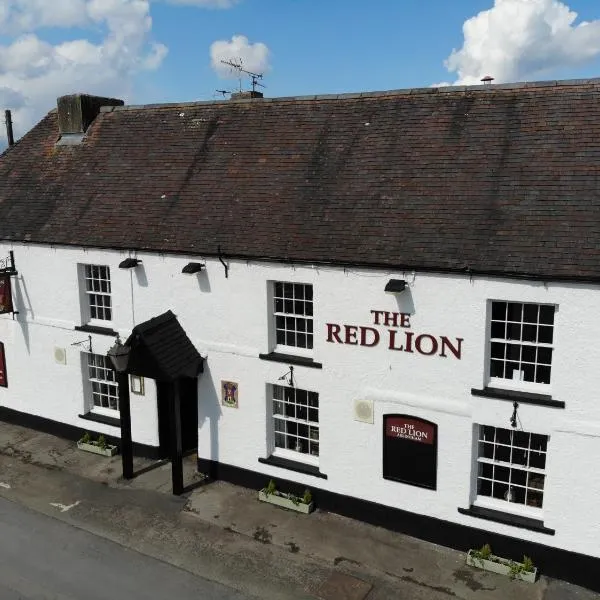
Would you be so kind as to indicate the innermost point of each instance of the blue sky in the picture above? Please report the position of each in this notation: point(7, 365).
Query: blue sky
point(160, 50)
point(325, 47)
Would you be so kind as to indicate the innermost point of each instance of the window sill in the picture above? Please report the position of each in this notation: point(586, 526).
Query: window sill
point(96, 329)
point(291, 359)
point(104, 419)
point(522, 397)
point(292, 465)
point(508, 519)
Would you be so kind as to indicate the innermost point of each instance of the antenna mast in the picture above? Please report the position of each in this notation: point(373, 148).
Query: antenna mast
point(254, 77)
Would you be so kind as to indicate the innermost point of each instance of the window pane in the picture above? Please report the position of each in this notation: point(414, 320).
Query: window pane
point(544, 355)
point(278, 305)
point(518, 477)
point(497, 350)
point(486, 450)
point(542, 374)
point(512, 371)
point(280, 337)
point(539, 442)
point(530, 333)
point(547, 315)
point(288, 306)
point(519, 457)
point(309, 309)
point(528, 354)
point(278, 290)
point(513, 331)
point(486, 470)
point(498, 330)
point(503, 455)
point(545, 335)
point(515, 312)
point(497, 368)
point(500, 490)
point(528, 372)
point(499, 311)
point(521, 439)
point(484, 487)
point(299, 291)
point(308, 292)
point(530, 313)
point(535, 498)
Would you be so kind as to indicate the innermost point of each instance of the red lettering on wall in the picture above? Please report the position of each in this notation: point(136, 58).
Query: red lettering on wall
point(333, 331)
point(392, 345)
point(351, 331)
point(404, 320)
point(409, 337)
point(363, 336)
point(420, 346)
point(390, 319)
point(456, 350)
point(376, 314)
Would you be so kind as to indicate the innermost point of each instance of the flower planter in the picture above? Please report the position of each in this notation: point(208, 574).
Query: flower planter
point(108, 450)
point(282, 500)
point(500, 566)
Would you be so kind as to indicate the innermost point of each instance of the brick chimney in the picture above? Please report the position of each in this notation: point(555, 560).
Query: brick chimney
point(246, 95)
point(76, 113)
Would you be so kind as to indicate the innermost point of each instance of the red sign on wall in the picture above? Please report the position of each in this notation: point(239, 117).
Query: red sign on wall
point(414, 430)
point(3, 378)
point(6, 305)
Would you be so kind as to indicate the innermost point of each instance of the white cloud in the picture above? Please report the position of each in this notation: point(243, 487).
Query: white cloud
point(519, 40)
point(33, 72)
point(253, 57)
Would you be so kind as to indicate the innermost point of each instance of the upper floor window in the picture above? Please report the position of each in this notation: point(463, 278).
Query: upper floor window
point(521, 337)
point(293, 311)
point(98, 291)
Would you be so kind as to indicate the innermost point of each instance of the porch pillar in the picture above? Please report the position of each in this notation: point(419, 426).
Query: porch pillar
point(125, 414)
point(176, 443)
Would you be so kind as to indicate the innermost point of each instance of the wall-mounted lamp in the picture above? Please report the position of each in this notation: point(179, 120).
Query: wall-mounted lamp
point(395, 286)
point(193, 267)
point(129, 263)
point(119, 356)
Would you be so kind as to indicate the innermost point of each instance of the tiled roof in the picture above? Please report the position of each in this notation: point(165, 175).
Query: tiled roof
point(501, 179)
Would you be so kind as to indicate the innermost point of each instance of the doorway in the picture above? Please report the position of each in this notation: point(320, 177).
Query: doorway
point(188, 390)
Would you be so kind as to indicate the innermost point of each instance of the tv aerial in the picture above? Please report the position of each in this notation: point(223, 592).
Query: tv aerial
point(237, 64)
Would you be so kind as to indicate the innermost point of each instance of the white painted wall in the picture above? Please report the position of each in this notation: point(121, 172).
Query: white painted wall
point(228, 321)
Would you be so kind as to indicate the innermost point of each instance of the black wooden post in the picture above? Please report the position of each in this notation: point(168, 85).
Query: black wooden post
point(176, 443)
point(125, 413)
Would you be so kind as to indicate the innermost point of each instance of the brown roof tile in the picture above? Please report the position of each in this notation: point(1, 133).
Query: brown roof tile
point(501, 180)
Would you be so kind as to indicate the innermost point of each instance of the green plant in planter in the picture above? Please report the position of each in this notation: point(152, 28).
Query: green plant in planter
point(295, 499)
point(86, 438)
point(517, 568)
point(271, 488)
point(102, 443)
point(307, 498)
point(484, 553)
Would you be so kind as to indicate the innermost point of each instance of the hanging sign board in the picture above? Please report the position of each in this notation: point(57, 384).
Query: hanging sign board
point(6, 305)
point(3, 378)
point(410, 450)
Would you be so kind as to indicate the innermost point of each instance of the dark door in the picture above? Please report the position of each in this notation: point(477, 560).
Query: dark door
point(188, 390)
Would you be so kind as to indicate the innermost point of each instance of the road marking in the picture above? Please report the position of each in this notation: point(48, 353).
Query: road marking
point(6, 486)
point(64, 507)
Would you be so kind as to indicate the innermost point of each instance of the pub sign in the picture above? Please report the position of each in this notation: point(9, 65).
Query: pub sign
point(6, 305)
point(3, 378)
point(410, 450)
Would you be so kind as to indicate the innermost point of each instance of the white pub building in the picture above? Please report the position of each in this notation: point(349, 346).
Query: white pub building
point(388, 298)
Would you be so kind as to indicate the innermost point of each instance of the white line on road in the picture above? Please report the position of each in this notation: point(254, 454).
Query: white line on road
point(64, 507)
point(6, 486)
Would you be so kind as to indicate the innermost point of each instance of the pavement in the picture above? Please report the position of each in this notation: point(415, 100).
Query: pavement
point(222, 533)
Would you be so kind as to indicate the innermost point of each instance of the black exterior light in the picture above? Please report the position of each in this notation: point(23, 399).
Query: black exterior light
point(193, 267)
point(119, 356)
point(130, 263)
point(395, 286)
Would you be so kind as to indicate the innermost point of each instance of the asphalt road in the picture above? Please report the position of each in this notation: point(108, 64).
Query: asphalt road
point(45, 559)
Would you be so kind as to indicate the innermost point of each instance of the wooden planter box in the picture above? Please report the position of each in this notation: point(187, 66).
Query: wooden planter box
point(500, 566)
point(281, 500)
point(110, 450)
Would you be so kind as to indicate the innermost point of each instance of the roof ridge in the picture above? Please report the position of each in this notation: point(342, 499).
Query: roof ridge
point(486, 88)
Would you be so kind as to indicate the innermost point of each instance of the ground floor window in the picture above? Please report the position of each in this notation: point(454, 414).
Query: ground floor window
point(511, 465)
point(103, 387)
point(295, 422)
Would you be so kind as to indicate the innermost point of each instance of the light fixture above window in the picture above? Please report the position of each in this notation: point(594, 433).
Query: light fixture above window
point(129, 263)
point(193, 267)
point(395, 286)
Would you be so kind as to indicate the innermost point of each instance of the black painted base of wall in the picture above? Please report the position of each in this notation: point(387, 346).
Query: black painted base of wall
point(576, 568)
point(68, 432)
